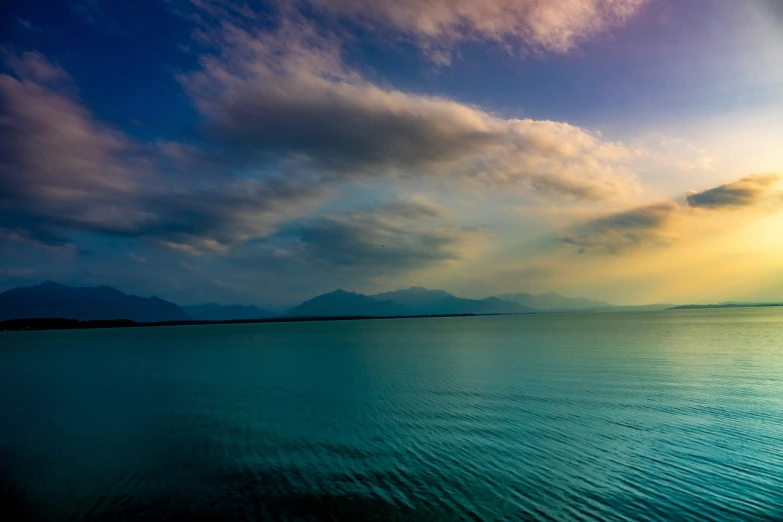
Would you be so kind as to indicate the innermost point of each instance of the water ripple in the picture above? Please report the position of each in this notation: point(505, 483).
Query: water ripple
point(595, 417)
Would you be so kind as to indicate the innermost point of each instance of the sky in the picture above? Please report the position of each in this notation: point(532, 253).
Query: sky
point(264, 152)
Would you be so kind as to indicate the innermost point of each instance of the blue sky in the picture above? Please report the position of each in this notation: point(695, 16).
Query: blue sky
point(264, 152)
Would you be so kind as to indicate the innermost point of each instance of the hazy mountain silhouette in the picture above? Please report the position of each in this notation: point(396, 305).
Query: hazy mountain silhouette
point(85, 303)
point(53, 300)
point(217, 312)
point(554, 301)
point(412, 301)
point(415, 296)
point(342, 303)
point(427, 302)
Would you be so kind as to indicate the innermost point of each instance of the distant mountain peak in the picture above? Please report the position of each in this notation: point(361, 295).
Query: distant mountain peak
point(415, 300)
point(553, 301)
point(48, 284)
point(342, 303)
point(218, 312)
point(54, 300)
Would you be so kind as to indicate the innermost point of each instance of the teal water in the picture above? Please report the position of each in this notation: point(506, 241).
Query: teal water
point(674, 415)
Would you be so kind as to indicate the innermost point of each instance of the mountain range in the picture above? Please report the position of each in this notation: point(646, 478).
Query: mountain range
point(413, 301)
point(217, 312)
point(429, 302)
point(553, 301)
point(50, 300)
point(96, 303)
point(342, 303)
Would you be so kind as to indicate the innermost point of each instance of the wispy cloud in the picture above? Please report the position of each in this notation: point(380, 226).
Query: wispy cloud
point(33, 66)
point(663, 223)
point(393, 238)
point(397, 237)
point(541, 25)
point(617, 233)
point(746, 192)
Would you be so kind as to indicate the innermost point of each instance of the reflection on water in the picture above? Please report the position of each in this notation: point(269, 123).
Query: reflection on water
point(638, 416)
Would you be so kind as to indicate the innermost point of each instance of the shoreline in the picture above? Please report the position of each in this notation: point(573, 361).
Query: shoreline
point(728, 305)
point(56, 323)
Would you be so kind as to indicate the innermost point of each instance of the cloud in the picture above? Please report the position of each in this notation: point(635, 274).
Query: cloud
point(746, 192)
point(545, 25)
point(53, 157)
point(396, 237)
point(619, 232)
point(61, 170)
point(663, 223)
point(51, 149)
point(34, 66)
point(23, 236)
point(285, 123)
point(286, 98)
point(203, 219)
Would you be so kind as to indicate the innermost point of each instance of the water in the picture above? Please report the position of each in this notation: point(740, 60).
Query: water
point(674, 415)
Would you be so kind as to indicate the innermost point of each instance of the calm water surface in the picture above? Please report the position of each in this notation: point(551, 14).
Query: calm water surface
point(674, 415)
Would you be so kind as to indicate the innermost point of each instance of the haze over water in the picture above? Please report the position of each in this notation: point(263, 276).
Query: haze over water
point(670, 415)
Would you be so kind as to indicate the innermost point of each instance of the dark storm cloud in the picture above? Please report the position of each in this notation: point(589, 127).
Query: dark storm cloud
point(617, 233)
point(746, 192)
